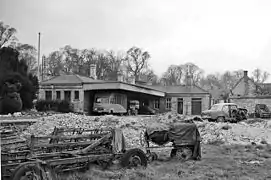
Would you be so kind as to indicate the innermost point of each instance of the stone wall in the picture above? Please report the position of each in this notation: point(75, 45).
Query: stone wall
point(250, 102)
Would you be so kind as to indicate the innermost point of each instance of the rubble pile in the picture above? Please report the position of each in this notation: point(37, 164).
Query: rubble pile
point(134, 126)
point(241, 133)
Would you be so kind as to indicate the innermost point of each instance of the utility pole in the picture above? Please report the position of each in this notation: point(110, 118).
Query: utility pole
point(39, 58)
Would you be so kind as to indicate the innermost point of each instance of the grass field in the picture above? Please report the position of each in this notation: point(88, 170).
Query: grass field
point(252, 162)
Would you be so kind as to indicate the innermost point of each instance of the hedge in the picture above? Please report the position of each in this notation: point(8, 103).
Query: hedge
point(54, 105)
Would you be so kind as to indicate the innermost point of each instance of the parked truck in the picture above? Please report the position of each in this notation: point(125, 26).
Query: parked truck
point(110, 103)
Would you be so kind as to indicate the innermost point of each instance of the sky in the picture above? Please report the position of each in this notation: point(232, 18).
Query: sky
point(216, 35)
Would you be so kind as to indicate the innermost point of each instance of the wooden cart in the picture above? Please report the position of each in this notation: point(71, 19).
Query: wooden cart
point(46, 157)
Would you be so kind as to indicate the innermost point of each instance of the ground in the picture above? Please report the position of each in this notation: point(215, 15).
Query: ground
point(234, 162)
point(220, 158)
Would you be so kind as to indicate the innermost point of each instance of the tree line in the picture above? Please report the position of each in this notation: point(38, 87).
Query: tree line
point(133, 62)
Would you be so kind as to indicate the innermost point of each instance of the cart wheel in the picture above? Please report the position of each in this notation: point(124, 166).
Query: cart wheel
point(182, 154)
point(134, 158)
point(152, 156)
point(33, 171)
point(220, 119)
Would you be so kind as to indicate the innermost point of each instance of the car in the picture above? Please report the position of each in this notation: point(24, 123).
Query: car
point(223, 112)
point(104, 108)
point(262, 111)
point(146, 110)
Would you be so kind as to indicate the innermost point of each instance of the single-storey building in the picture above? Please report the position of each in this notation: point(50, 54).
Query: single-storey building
point(246, 94)
point(82, 92)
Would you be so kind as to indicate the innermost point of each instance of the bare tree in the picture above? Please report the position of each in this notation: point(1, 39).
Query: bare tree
point(7, 34)
point(194, 71)
point(137, 61)
point(54, 64)
point(260, 76)
point(173, 75)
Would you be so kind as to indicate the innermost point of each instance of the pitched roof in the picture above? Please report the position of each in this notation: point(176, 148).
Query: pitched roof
point(217, 93)
point(182, 89)
point(70, 79)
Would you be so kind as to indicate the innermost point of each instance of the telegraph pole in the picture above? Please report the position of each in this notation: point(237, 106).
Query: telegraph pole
point(39, 57)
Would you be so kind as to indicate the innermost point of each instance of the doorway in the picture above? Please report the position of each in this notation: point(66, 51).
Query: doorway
point(196, 106)
point(180, 106)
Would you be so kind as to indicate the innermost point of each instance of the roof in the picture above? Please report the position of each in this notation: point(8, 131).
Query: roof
point(70, 79)
point(180, 89)
point(110, 85)
point(222, 104)
point(249, 79)
point(217, 93)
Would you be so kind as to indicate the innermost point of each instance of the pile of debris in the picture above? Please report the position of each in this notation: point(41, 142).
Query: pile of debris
point(241, 133)
point(134, 126)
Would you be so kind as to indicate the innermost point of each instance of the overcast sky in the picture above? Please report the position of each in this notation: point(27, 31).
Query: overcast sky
point(217, 35)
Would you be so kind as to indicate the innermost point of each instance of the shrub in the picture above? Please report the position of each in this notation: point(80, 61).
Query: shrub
point(54, 105)
point(64, 106)
point(11, 104)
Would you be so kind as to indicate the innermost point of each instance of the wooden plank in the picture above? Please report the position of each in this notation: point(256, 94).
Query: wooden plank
point(79, 159)
point(18, 121)
point(68, 144)
point(61, 137)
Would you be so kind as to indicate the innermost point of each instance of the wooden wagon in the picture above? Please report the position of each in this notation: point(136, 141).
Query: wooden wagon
point(46, 157)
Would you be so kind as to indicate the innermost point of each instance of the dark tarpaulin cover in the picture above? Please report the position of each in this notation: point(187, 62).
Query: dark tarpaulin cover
point(186, 133)
point(181, 134)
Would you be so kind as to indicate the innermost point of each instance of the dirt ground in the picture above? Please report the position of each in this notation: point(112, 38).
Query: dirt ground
point(218, 163)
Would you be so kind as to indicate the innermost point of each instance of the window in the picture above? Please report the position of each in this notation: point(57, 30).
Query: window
point(67, 95)
point(76, 95)
point(225, 109)
point(168, 103)
point(156, 104)
point(48, 95)
point(58, 95)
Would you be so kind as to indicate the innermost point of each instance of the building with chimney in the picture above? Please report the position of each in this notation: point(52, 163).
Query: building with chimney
point(246, 94)
point(82, 91)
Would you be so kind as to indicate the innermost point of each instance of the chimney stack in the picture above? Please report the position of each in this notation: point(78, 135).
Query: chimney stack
point(120, 76)
point(246, 83)
point(245, 74)
point(189, 80)
point(92, 71)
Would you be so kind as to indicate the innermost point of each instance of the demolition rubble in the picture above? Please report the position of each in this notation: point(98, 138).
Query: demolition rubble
point(256, 131)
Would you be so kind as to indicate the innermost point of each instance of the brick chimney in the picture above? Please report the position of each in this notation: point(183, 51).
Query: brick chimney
point(246, 83)
point(189, 77)
point(120, 76)
point(92, 71)
point(189, 80)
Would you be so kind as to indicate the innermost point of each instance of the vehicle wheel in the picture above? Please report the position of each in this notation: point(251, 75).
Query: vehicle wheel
point(129, 112)
point(32, 170)
point(220, 119)
point(134, 158)
point(111, 112)
point(152, 156)
point(182, 154)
